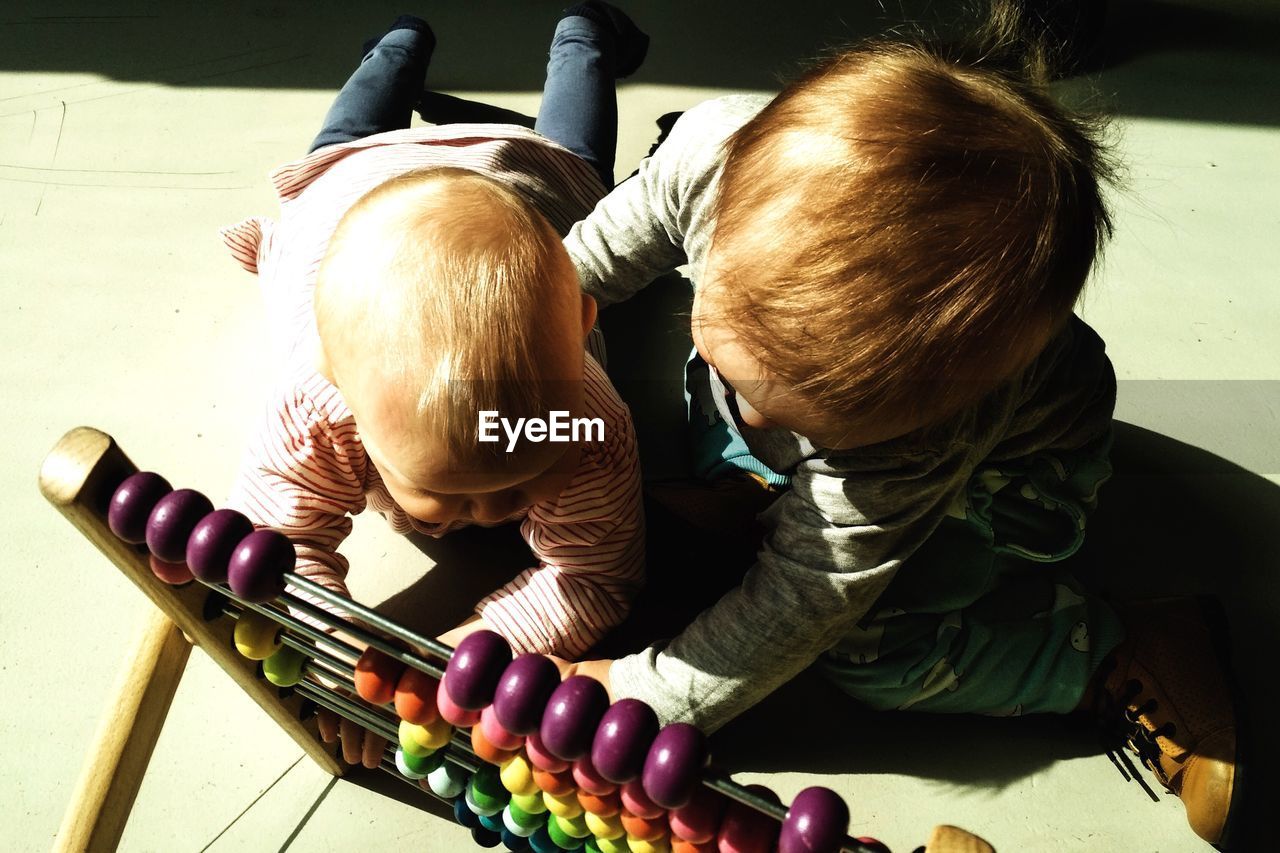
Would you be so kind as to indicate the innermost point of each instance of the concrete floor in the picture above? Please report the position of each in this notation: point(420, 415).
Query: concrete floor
point(129, 132)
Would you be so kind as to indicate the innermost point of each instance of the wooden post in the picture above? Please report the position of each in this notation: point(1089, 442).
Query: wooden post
point(950, 839)
point(79, 477)
point(125, 739)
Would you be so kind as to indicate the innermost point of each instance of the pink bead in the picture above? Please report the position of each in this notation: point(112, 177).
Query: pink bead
point(636, 801)
point(590, 780)
point(173, 574)
point(496, 733)
point(452, 712)
point(541, 758)
point(699, 820)
point(745, 830)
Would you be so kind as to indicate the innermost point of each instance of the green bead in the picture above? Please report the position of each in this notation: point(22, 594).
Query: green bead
point(488, 780)
point(284, 668)
point(613, 845)
point(424, 763)
point(523, 818)
point(592, 847)
point(531, 803)
point(559, 837)
point(574, 827)
point(487, 801)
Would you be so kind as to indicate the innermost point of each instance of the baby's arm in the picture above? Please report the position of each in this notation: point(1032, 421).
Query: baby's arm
point(303, 475)
point(590, 548)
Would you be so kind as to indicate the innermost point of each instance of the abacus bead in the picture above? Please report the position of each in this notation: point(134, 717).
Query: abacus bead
point(416, 740)
point(745, 830)
point(523, 693)
point(451, 710)
point(570, 721)
point(257, 637)
point(698, 820)
point(213, 541)
point(650, 845)
point(613, 845)
point(284, 668)
point(541, 842)
point(464, 815)
point(622, 740)
point(643, 828)
point(517, 775)
point(488, 781)
point(636, 801)
point(485, 750)
point(514, 841)
point(480, 804)
point(432, 736)
point(415, 697)
point(598, 804)
point(171, 522)
point(376, 676)
point(605, 826)
point(816, 822)
point(540, 757)
point(475, 668)
point(674, 765)
point(174, 574)
point(557, 784)
point(520, 821)
point(258, 565)
point(448, 780)
point(559, 837)
point(530, 803)
point(589, 779)
point(498, 734)
point(574, 827)
point(874, 844)
point(422, 764)
point(402, 764)
point(485, 837)
point(493, 822)
point(562, 805)
point(679, 845)
point(131, 505)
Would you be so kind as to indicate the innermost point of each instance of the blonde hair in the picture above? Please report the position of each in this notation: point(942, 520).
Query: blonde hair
point(440, 284)
point(946, 213)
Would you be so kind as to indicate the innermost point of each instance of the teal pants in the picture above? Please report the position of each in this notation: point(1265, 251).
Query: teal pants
point(986, 617)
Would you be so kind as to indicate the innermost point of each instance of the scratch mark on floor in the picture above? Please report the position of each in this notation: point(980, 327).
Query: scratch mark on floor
point(57, 143)
point(108, 171)
point(254, 802)
point(297, 830)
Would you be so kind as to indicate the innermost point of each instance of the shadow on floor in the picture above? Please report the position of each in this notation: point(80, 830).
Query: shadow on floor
point(1198, 60)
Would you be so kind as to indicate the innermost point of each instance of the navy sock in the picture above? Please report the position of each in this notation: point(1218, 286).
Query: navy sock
point(630, 43)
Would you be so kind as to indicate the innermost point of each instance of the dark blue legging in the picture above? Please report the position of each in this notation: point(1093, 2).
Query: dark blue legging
point(579, 102)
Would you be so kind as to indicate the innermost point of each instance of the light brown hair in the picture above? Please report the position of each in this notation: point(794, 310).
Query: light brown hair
point(907, 224)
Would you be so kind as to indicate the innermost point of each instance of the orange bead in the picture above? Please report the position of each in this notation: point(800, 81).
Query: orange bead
point(416, 697)
point(560, 784)
point(487, 751)
point(644, 828)
point(605, 806)
point(376, 676)
point(679, 845)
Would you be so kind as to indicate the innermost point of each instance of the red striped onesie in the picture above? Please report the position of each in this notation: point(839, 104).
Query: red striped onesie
point(306, 471)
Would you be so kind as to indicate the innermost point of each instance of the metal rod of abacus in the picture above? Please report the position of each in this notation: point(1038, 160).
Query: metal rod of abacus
point(368, 614)
point(350, 710)
point(315, 653)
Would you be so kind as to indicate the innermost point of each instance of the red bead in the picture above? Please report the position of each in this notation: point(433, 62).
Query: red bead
point(416, 697)
point(636, 801)
point(745, 830)
point(173, 574)
point(377, 675)
point(589, 779)
point(541, 757)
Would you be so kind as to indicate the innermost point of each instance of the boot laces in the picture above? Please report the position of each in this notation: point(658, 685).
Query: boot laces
point(1123, 732)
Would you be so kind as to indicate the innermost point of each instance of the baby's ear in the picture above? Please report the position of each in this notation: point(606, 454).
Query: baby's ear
point(588, 314)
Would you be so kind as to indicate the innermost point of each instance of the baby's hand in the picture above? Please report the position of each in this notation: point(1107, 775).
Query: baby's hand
point(597, 669)
point(359, 745)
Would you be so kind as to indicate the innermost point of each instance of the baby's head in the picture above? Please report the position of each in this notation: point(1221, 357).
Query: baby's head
point(897, 234)
point(444, 294)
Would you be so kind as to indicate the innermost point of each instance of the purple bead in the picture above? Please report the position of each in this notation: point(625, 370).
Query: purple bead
point(132, 503)
point(213, 541)
point(622, 740)
point(257, 568)
point(171, 523)
point(569, 724)
point(523, 693)
point(816, 822)
point(475, 669)
point(674, 765)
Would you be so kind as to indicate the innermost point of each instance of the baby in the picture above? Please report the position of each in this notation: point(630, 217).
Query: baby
point(885, 259)
point(434, 329)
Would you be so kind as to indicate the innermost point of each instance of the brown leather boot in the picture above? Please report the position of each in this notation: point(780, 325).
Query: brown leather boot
point(1165, 693)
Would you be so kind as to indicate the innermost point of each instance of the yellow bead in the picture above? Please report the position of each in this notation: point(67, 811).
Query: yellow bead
point(662, 845)
point(604, 827)
point(531, 803)
point(574, 827)
point(435, 734)
point(257, 637)
point(517, 776)
point(566, 806)
point(613, 845)
point(411, 741)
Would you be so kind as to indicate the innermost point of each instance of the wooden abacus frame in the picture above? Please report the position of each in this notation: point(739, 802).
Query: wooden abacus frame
point(79, 477)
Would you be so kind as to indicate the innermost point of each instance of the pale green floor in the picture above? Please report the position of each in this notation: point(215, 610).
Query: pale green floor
point(129, 135)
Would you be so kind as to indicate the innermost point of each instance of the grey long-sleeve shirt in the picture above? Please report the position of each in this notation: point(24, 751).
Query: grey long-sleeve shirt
point(850, 518)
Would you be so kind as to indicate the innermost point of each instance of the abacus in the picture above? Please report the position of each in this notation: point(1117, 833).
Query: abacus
point(526, 760)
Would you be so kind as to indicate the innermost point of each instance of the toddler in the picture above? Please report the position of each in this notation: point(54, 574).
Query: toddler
point(885, 258)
